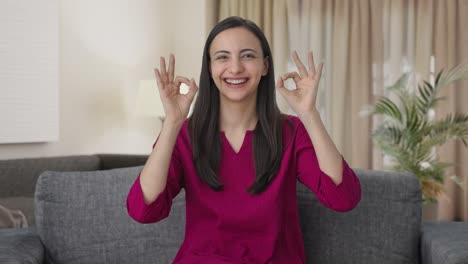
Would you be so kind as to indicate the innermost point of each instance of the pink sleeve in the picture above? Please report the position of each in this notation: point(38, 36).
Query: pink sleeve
point(342, 197)
point(159, 208)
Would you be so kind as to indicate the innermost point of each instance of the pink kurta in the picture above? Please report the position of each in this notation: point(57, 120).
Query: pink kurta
point(233, 226)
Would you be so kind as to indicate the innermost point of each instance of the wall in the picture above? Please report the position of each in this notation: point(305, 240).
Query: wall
point(106, 47)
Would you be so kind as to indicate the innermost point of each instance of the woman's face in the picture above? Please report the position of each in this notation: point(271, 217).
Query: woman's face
point(237, 64)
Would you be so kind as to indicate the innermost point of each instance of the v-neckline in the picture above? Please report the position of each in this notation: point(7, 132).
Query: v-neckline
point(247, 135)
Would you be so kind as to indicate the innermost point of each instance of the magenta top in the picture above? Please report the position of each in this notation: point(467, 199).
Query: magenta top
point(233, 226)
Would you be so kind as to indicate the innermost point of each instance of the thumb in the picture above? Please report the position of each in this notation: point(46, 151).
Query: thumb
point(193, 89)
point(280, 86)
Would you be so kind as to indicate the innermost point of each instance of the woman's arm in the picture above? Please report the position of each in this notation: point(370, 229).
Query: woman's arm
point(329, 158)
point(340, 196)
point(153, 177)
point(320, 166)
point(150, 197)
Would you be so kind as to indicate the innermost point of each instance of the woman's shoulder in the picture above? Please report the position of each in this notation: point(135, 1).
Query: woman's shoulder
point(292, 118)
point(185, 124)
point(183, 132)
point(290, 123)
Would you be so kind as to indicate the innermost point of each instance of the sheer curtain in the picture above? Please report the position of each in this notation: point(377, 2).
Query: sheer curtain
point(413, 32)
point(339, 34)
point(366, 45)
point(449, 45)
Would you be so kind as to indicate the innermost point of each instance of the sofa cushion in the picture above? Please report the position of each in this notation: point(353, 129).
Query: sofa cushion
point(81, 217)
point(20, 245)
point(384, 228)
point(444, 242)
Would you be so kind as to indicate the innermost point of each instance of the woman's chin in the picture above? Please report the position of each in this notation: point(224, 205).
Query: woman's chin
point(237, 97)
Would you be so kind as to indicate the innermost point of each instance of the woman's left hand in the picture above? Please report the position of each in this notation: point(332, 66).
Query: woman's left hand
point(302, 99)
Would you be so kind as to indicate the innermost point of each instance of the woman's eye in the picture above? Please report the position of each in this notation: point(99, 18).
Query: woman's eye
point(248, 56)
point(222, 57)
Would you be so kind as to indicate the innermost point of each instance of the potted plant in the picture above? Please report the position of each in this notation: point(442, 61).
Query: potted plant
point(409, 132)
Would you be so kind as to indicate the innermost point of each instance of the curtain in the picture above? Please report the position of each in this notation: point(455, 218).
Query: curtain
point(366, 45)
point(413, 32)
point(339, 33)
point(271, 17)
point(449, 45)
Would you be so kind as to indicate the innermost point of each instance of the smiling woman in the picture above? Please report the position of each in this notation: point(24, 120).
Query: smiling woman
point(237, 66)
point(237, 157)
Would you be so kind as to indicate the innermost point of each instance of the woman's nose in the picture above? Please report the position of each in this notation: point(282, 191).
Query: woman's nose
point(236, 66)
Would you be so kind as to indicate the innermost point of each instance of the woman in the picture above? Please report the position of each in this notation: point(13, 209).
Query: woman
point(237, 157)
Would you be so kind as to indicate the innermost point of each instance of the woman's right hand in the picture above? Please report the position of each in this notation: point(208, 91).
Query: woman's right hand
point(176, 105)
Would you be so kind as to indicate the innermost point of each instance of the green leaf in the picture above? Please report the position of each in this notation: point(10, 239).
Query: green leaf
point(388, 108)
point(410, 137)
point(437, 80)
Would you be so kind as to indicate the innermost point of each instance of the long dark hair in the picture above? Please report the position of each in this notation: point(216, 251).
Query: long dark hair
point(204, 122)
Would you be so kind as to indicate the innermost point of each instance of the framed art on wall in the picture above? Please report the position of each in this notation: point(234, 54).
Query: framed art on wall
point(29, 71)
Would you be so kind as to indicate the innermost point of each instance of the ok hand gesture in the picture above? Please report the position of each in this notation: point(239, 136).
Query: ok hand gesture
point(176, 105)
point(302, 99)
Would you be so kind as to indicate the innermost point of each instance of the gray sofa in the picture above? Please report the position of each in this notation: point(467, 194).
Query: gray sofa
point(18, 177)
point(81, 217)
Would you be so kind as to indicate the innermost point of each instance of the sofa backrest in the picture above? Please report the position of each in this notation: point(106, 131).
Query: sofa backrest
point(383, 228)
point(18, 177)
point(81, 217)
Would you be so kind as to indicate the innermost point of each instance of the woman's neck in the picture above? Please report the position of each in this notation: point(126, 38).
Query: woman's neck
point(238, 117)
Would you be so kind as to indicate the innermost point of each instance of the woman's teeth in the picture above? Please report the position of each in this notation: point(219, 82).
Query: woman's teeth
point(236, 81)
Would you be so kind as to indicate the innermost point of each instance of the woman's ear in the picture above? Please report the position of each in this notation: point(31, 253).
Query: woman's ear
point(266, 65)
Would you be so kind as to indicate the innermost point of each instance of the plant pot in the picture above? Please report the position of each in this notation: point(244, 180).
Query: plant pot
point(429, 212)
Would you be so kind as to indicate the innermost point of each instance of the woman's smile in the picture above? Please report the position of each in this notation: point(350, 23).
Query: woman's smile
point(235, 83)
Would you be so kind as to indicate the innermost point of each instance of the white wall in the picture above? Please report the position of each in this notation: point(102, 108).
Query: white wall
point(106, 47)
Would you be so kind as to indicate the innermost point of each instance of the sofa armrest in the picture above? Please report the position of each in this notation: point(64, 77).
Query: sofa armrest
point(20, 245)
point(444, 242)
point(114, 161)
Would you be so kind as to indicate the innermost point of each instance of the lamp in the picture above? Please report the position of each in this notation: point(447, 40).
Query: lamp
point(148, 102)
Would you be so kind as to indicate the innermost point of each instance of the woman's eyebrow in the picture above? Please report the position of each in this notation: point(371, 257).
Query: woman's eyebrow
point(245, 50)
point(242, 50)
point(221, 51)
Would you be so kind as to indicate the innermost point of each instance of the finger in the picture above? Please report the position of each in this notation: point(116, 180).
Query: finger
point(293, 75)
point(280, 83)
point(280, 86)
point(193, 89)
point(164, 78)
point(158, 78)
point(300, 66)
point(179, 80)
point(319, 72)
point(171, 67)
point(311, 64)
